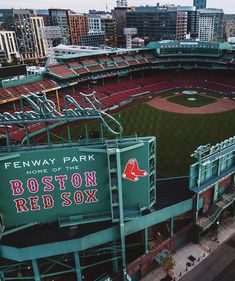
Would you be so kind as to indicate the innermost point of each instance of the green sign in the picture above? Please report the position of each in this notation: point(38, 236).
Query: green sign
point(40, 186)
point(47, 185)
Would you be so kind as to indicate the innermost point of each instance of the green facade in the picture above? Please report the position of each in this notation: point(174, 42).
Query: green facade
point(72, 183)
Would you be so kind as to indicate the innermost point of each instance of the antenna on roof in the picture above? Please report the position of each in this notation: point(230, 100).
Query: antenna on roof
point(106, 6)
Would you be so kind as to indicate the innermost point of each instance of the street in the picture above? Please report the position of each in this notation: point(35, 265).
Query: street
point(219, 266)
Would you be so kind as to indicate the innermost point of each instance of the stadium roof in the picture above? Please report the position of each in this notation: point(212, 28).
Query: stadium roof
point(190, 44)
point(153, 46)
point(102, 52)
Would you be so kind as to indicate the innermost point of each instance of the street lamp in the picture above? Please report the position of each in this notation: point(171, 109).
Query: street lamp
point(216, 230)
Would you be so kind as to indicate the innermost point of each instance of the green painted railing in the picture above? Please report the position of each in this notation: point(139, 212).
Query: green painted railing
point(22, 81)
point(224, 203)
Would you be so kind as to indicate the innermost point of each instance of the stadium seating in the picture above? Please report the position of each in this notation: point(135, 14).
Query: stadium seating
point(31, 88)
point(121, 64)
point(105, 60)
point(94, 67)
point(74, 64)
point(62, 71)
point(48, 84)
point(81, 70)
point(112, 93)
point(87, 62)
point(14, 91)
point(86, 71)
point(4, 94)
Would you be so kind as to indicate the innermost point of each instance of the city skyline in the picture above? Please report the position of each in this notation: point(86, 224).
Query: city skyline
point(84, 6)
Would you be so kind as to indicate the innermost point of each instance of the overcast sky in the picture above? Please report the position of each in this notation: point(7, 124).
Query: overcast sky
point(85, 5)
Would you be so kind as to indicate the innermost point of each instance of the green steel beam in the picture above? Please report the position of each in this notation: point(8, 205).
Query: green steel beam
point(48, 269)
point(18, 228)
point(18, 278)
point(60, 263)
point(94, 239)
point(121, 213)
point(131, 147)
point(57, 273)
point(146, 244)
point(95, 150)
point(115, 260)
point(172, 227)
point(36, 270)
point(78, 266)
point(101, 262)
point(158, 216)
point(216, 191)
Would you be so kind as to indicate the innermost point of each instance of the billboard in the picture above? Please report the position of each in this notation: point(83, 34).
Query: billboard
point(44, 185)
point(214, 163)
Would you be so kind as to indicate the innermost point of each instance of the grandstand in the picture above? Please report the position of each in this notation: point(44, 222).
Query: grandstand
point(120, 79)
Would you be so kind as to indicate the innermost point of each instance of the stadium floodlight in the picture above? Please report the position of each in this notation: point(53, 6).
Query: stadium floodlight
point(49, 34)
point(129, 32)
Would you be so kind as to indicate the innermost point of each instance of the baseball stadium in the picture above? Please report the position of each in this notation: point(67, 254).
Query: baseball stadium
point(112, 161)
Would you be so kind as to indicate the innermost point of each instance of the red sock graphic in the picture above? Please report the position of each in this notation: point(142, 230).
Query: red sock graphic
point(128, 174)
point(137, 171)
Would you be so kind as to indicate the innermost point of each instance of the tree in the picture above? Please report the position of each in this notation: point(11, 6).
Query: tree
point(168, 264)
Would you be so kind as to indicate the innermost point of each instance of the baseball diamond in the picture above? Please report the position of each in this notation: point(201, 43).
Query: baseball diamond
point(110, 162)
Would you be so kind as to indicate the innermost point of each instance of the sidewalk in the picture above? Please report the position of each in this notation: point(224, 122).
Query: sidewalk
point(199, 252)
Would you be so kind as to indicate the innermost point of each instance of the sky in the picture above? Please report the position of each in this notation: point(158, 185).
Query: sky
point(83, 6)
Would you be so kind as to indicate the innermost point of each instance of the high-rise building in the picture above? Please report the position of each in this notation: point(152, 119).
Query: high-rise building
point(108, 24)
point(95, 12)
point(96, 39)
point(8, 44)
point(3, 57)
point(164, 22)
point(45, 15)
point(199, 4)
point(121, 3)
point(192, 23)
point(19, 21)
point(229, 26)
point(7, 19)
point(210, 24)
point(78, 24)
point(181, 25)
point(154, 23)
point(94, 23)
point(96, 32)
point(60, 17)
point(120, 14)
point(40, 42)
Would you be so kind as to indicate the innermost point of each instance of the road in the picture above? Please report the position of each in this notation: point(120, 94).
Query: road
point(219, 266)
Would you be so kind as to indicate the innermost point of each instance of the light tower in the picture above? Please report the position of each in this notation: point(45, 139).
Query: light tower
point(129, 32)
point(49, 34)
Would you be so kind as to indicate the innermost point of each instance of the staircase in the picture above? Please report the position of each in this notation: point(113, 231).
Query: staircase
point(215, 210)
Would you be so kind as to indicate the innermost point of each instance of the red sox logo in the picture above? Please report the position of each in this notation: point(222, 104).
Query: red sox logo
point(132, 171)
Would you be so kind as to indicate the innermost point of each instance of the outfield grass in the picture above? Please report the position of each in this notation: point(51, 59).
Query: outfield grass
point(200, 100)
point(167, 94)
point(215, 95)
point(178, 135)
